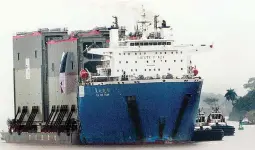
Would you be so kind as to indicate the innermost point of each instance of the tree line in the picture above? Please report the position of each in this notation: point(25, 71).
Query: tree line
point(241, 104)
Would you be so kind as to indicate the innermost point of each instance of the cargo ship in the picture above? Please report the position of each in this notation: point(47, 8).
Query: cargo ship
point(103, 86)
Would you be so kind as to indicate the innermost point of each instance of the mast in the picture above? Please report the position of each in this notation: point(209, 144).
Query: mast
point(155, 25)
point(116, 21)
point(144, 22)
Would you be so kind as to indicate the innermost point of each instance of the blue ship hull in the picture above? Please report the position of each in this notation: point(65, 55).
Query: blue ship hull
point(138, 112)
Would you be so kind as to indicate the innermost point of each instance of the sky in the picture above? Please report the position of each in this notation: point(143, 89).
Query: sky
point(229, 24)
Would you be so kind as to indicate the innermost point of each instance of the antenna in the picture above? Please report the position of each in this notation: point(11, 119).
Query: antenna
point(156, 22)
point(116, 21)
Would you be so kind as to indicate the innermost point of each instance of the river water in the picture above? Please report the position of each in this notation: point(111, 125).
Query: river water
point(243, 138)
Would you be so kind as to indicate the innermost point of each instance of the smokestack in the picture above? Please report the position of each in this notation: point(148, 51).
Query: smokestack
point(165, 31)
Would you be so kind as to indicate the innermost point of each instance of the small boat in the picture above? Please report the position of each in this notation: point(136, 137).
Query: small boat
point(217, 121)
point(203, 132)
point(246, 121)
point(201, 120)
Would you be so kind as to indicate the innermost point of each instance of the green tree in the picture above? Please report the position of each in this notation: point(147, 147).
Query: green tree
point(231, 96)
point(250, 85)
point(211, 101)
point(247, 102)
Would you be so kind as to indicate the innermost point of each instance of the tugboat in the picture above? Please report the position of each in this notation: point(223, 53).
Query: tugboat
point(201, 120)
point(203, 132)
point(217, 121)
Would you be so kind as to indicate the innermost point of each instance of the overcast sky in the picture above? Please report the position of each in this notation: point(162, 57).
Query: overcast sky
point(228, 23)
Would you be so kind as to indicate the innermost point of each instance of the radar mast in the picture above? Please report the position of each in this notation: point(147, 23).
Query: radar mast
point(144, 23)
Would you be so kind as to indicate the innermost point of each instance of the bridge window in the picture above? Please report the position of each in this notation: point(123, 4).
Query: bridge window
point(168, 43)
point(141, 44)
point(155, 43)
point(145, 44)
point(136, 44)
point(163, 43)
point(150, 43)
point(159, 43)
point(132, 44)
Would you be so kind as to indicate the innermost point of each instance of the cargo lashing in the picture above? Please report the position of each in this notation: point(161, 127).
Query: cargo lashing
point(13, 122)
point(50, 128)
point(69, 122)
point(18, 127)
point(30, 121)
point(53, 110)
point(57, 124)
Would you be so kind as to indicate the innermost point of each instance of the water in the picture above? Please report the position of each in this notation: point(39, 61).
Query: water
point(243, 138)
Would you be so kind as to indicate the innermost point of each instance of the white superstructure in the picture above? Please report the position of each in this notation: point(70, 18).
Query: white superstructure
point(215, 118)
point(145, 54)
